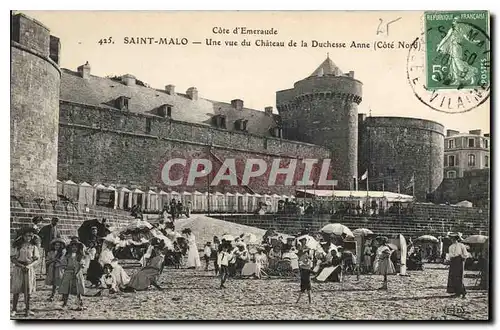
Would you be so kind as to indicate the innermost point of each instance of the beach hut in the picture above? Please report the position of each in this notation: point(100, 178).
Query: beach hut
point(114, 195)
point(138, 198)
point(249, 203)
point(162, 199)
point(151, 200)
point(239, 202)
point(85, 194)
point(230, 200)
point(103, 196)
point(187, 197)
point(220, 204)
point(197, 201)
point(70, 190)
point(257, 198)
point(124, 198)
point(275, 198)
point(174, 195)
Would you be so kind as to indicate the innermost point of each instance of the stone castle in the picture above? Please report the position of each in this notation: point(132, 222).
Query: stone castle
point(72, 125)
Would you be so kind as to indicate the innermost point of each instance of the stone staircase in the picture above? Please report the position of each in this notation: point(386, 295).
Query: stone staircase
point(426, 219)
point(71, 216)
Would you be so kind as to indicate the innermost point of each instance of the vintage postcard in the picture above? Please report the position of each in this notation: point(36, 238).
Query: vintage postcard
point(174, 165)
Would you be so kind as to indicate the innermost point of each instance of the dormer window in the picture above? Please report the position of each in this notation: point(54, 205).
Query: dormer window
point(277, 132)
point(219, 121)
point(122, 102)
point(165, 111)
point(241, 125)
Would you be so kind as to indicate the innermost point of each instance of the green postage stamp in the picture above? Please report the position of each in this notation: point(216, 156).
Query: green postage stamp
point(458, 49)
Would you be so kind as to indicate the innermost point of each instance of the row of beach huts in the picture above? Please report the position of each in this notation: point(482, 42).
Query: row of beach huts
point(124, 198)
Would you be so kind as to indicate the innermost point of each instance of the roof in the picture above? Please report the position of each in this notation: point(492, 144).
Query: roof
point(350, 194)
point(327, 68)
point(99, 91)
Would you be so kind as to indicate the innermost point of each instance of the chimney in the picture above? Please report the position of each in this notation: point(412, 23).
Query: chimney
point(84, 70)
point(351, 74)
point(192, 93)
point(268, 111)
point(475, 132)
point(170, 89)
point(237, 104)
point(450, 132)
point(128, 80)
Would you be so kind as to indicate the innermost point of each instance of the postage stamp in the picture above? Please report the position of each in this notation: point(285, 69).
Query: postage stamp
point(457, 49)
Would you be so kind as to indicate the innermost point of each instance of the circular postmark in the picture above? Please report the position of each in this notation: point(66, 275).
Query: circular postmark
point(449, 69)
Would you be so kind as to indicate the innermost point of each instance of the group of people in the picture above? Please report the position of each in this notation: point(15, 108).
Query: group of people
point(69, 264)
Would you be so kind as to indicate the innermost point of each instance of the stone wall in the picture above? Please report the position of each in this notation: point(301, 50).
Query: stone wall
point(34, 113)
point(394, 148)
point(473, 187)
point(70, 216)
point(102, 145)
point(427, 219)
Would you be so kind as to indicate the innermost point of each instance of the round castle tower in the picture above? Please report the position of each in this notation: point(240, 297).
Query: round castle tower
point(35, 82)
point(323, 109)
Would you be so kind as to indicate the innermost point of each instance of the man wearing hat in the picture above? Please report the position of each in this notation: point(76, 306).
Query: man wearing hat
point(458, 254)
point(47, 234)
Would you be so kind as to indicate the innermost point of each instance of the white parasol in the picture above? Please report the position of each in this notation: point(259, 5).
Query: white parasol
point(337, 229)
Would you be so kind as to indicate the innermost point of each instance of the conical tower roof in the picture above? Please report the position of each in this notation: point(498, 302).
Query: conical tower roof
point(327, 68)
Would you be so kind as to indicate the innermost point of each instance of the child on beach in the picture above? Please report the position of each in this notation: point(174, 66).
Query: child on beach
point(215, 252)
point(54, 262)
point(73, 281)
point(23, 278)
point(223, 260)
point(108, 281)
point(305, 264)
point(207, 253)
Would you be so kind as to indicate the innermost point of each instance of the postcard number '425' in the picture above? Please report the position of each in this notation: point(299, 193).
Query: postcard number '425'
point(105, 41)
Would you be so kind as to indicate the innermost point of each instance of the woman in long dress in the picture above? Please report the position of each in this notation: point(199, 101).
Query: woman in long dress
point(383, 264)
point(23, 278)
point(458, 254)
point(193, 259)
point(459, 72)
point(148, 275)
point(107, 257)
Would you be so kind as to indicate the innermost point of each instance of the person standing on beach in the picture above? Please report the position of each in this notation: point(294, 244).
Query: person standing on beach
point(305, 264)
point(23, 278)
point(458, 254)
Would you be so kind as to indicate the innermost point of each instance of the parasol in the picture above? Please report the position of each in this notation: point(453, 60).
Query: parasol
point(475, 239)
point(427, 239)
point(250, 238)
point(85, 230)
point(362, 232)
point(392, 246)
point(310, 242)
point(227, 237)
point(337, 229)
point(138, 225)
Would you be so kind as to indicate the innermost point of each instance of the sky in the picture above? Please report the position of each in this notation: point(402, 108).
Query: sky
point(252, 73)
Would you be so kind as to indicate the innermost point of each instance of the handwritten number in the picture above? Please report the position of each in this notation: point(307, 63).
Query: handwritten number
point(380, 30)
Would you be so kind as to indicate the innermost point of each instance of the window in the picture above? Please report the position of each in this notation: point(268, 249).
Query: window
point(471, 143)
point(486, 143)
point(451, 161)
point(148, 125)
point(165, 111)
point(472, 160)
point(451, 144)
point(122, 102)
point(451, 174)
point(486, 161)
point(222, 122)
point(241, 125)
